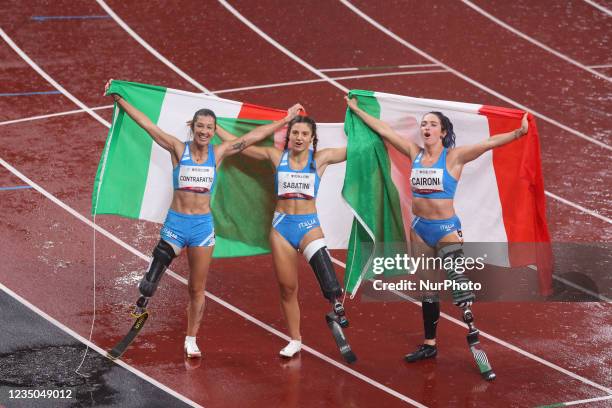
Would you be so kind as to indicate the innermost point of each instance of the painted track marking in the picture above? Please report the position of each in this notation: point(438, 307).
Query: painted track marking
point(136, 252)
point(152, 50)
point(227, 305)
point(470, 80)
point(282, 49)
point(490, 337)
point(599, 7)
point(378, 68)
point(534, 41)
point(48, 78)
point(343, 88)
point(570, 403)
point(93, 346)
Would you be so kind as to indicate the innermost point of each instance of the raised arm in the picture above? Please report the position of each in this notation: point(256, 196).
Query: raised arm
point(325, 157)
point(256, 152)
point(232, 144)
point(466, 154)
point(407, 147)
point(163, 139)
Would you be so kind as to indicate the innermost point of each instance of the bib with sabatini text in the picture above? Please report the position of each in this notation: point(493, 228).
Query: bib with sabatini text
point(296, 185)
point(196, 178)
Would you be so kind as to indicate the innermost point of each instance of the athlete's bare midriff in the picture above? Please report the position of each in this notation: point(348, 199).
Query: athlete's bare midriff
point(433, 209)
point(292, 206)
point(187, 202)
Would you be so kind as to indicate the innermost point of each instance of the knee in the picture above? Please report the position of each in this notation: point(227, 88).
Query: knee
point(195, 291)
point(288, 292)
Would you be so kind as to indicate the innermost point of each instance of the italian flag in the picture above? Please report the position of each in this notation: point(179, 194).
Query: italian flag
point(499, 199)
point(134, 177)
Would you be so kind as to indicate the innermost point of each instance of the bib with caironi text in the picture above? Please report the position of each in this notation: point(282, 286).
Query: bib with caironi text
point(432, 182)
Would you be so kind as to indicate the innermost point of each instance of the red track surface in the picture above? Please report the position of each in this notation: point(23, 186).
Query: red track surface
point(50, 250)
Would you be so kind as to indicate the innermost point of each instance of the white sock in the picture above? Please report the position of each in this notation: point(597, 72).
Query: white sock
point(292, 348)
point(191, 348)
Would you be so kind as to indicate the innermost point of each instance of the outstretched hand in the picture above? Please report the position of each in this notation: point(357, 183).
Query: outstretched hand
point(351, 102)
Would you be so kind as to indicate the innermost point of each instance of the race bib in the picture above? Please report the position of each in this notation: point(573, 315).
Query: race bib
point(426, 181)
point(292, 185)
point(196, 178)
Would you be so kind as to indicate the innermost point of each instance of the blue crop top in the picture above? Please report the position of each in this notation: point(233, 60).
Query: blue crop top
point(432, 182)
point(194, 177)
point(297, 184)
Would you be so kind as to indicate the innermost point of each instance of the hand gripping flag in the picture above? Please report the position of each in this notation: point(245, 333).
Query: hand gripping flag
point(134, 177)
point(500, 196)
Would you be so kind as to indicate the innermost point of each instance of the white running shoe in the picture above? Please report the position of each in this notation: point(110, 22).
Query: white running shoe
point(191, 348)
point(291, 349)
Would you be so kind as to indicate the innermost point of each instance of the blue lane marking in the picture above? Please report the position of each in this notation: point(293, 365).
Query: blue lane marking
point(14, 188)
point(45, 18)
point(30, 93)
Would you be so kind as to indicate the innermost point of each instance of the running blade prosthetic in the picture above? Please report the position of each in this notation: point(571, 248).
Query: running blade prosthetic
point(345, 349)
point(479, 355)
point(141, 316)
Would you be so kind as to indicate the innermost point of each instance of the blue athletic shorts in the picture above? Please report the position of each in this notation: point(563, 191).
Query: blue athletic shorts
point(191, 230)
point(293, 227)
point(432, 231)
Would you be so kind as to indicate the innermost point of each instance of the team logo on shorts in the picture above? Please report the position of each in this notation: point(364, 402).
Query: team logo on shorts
point(446, 227)
point(307, 224)
point(167, 232)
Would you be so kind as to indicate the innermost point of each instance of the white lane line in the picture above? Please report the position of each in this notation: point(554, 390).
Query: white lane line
point(377, 68)
point(515, 348)
point(578, 207)
point(601, 66)
point(318, 354)
point(142, 256)
point(560, 279)
point(134, 251)
point(499, 341)
point(93, 346)
point(43, 74)
point(599, 7)
point(282, 49)
point(326, 79)
point(579, 402)
point(246, 88)
point(603, 298)
point(340, 78)
point(234, 309)
point(470, 80)
point(534, 41)
point(152, 50)
point(377, 25)
point(333, 82)
point(52, 115)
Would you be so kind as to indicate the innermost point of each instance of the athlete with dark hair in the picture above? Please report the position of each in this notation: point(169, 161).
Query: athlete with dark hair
point(189, 222)
point(436, 229)
point(296, 227)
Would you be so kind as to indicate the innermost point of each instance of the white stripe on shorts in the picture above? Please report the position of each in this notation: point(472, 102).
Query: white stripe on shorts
point(208, 238)
point(278, 218)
